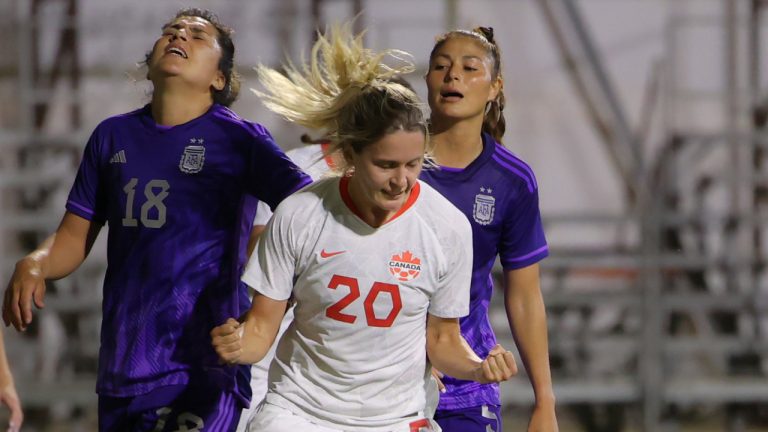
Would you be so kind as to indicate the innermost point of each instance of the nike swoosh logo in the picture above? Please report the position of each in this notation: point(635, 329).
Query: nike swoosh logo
point(324, 254)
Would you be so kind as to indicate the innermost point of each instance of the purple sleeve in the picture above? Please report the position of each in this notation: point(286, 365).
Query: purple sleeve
point(522, 242)
point(86, 198)
point(273, 175)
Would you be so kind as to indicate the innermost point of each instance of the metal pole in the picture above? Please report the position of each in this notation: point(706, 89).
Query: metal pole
point(624, 135)
point(451, 14)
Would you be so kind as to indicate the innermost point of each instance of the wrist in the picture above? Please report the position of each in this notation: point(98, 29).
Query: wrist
point(6, 380)
point(545, 400)
point(33, 264)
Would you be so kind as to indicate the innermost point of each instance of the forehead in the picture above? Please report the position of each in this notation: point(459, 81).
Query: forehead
point(193, 22)
point(398, 146)
point(462, 46)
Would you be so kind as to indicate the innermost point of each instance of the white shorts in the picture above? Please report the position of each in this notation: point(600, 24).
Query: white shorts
point(272, 418)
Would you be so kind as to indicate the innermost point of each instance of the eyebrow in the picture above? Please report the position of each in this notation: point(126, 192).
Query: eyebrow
point(466, 57)
point(194, 28)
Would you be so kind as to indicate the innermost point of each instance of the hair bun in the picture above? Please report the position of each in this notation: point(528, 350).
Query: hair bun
point(487, 33)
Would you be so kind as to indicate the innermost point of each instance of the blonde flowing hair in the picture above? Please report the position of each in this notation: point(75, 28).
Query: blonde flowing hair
point(346, 91)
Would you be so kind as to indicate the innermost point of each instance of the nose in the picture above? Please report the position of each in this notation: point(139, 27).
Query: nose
point(452, 73)
point(179, 33)
point(399, 180)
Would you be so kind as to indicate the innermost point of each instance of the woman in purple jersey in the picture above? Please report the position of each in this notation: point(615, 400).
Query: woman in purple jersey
point(498, 193)
point(177, 181)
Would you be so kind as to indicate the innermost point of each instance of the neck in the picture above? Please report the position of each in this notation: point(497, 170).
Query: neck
point(173, 106)
point(457, 143)
point(370, 214)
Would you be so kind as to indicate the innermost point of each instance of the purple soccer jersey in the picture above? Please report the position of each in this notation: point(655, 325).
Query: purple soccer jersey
point(499, 195)
point(179, 203)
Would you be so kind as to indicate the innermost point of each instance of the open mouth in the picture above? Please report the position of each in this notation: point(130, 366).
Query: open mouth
point(451, 95)
point(176, 51)
point(394, 195)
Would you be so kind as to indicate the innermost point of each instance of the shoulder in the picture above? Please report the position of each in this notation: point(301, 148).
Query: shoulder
point(514, 169)
point(231, 121)
point(305, 155)
point(119, 120)
point(307, 200)
point(439, 212)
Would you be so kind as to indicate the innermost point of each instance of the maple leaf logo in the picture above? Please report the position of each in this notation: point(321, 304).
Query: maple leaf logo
point(405, 267)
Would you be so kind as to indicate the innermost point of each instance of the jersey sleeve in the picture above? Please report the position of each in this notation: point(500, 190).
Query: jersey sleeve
point(271, 267)
point(522, 241)
point(451, 298)
point(273, 176)
point(263, 213)
point(86, 198)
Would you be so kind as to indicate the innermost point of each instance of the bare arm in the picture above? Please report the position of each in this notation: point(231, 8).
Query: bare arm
point(528, 322)
point(451, 354)
point(249, 342)
point(8, 395)
point(59, 255)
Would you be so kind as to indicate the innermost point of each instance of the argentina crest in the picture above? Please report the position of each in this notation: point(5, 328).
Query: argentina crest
point(485, 206)
point(193, 157)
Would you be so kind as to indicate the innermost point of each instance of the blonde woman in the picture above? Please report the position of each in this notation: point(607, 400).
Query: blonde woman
point(374, 259)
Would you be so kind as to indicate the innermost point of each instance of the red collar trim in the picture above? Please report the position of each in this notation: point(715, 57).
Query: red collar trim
point(328, 158)
point(347, 198)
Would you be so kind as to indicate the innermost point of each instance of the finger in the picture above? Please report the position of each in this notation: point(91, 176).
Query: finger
point(438, 375)
point(487, 372)
point(7, 306)
point(25, 302)
point(39, 295)
point(231, 357)
point(509, 359)
point(500, 366)
point(16, 310)
point(17, 417)
point(498, 349)
point(226, 346)
point(225, 329)
point(497, 373)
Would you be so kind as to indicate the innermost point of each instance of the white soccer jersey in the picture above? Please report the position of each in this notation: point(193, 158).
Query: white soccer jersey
point(311, 160)
point(355, 354)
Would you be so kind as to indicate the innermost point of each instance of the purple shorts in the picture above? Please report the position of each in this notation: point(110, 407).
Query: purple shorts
point(171, 408)
point(482, 418)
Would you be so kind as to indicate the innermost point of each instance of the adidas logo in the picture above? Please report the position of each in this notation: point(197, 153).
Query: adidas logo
point(118, 157)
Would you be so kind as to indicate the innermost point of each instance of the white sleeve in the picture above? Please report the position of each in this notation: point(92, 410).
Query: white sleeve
point(263, 213)
point(451, 298)
point(271, 266)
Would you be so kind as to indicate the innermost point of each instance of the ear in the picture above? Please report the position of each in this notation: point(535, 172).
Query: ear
point(219, 81)
point(348, 155)
point(496, 87)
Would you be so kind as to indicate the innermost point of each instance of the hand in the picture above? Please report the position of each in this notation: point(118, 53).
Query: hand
point(227, 341)
point(9, 398)
point(498, 366)
point(27, 283)
point(543, 419)
point(439, 378)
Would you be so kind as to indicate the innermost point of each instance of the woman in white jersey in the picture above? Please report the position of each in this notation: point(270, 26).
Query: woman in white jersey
point(374, 259)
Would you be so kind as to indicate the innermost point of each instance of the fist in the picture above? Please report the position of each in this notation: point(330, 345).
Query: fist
point(498, 366)
point(227, 341)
